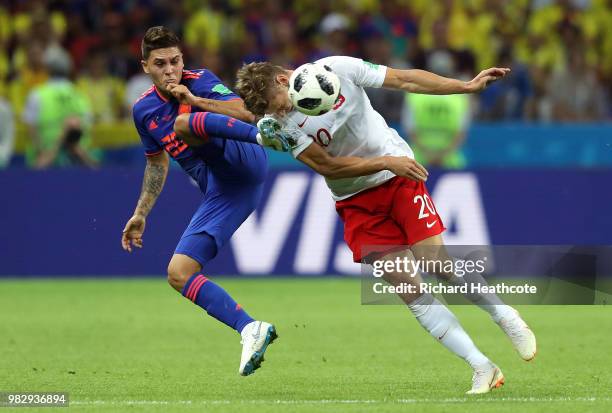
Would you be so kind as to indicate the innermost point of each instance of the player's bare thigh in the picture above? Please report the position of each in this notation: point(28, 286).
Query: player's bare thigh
point(180, 268)
point(399, 277)
point(433, 249)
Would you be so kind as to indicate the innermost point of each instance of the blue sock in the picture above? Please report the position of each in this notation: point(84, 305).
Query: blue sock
point(216, 302)
point(205, 123)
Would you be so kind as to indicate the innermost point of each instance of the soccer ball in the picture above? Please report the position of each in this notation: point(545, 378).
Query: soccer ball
point(314, 89)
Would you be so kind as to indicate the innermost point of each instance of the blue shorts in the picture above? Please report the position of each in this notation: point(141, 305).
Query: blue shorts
point(232, 181)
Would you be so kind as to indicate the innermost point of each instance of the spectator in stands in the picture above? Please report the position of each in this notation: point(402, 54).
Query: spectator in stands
point(465, 64)
point(506, 100)
point(58, 117)
point(31, 74)
point(104, 91)
point(5, 34)
point(396, 24)
point(388, 103)
point(135, 87)
point(283, 45)
point(121, 60)
point(335, 31)
point(437, 124)
point(7, 133)
point(575, 92)
point(535, 35)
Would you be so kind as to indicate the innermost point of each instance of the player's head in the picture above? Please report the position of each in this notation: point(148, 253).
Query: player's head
point(161, 57)
point(263, 86)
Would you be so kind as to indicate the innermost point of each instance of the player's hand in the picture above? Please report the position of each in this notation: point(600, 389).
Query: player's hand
point(409, 168)
point(132, 233)
point(486, 77)
point(181, 93)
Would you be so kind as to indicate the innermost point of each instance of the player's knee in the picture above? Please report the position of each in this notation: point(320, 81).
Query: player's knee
point(177, 278)
point(181, 125)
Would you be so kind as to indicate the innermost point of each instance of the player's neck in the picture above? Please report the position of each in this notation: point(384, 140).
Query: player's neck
point(164, 94)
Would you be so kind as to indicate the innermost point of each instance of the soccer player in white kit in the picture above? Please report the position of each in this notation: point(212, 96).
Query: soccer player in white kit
point(380, 190)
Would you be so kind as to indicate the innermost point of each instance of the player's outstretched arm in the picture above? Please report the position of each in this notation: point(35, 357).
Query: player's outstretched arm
point(152, 185)
point(422, 81)
point(351, 166)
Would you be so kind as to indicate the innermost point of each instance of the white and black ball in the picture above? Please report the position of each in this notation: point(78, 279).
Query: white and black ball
point(314, 89)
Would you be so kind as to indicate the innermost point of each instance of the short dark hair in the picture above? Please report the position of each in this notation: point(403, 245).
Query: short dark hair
point(158, 37)
point(254, 84)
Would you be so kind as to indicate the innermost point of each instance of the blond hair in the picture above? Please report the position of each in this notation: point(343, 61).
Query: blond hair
point(254, 84)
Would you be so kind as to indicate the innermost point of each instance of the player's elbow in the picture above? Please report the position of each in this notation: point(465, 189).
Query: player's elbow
point(397, 79)
point(181, 125)
point(320, 161)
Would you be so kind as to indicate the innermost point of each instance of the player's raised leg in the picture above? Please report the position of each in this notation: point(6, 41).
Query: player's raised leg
point(506, 317)
point(196, 128)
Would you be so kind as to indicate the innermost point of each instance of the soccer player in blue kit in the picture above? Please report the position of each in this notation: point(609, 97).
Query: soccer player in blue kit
point(190, 116)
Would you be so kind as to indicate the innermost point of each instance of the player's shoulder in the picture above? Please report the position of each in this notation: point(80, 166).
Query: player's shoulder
point(347, 62)
point(198, 80)
point(194, 74)
point(293, 117)
point(205, 83)
point(337, 60)
point(358, 71)
point(329, 61)
point(343, 66)
point(144, 104)
point(198, 76)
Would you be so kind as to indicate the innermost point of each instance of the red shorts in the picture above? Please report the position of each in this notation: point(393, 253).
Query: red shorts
point(396, 213)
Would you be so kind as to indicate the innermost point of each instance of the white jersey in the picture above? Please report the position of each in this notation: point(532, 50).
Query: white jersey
point(353, 127)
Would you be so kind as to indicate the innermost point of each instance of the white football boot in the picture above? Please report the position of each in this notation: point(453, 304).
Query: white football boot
point(486, 378)
point(256, 336)
point(520, 334)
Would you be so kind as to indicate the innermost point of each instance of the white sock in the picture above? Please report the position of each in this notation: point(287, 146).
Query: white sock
point(442, 324)
point(489, 302)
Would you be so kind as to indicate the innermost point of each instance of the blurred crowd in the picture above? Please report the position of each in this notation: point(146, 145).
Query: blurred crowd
point(560, 51)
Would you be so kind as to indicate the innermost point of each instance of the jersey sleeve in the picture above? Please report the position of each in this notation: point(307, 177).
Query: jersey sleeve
point(360, 72)
point(209, 86)
point(151, 147)
point(303, 140)
point(303, 143)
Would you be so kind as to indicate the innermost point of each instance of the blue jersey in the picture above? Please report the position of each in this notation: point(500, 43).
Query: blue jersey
point(230, 173)
point(154, 117)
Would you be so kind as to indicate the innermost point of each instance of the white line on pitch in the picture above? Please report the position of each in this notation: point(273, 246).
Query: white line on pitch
point(333, 401)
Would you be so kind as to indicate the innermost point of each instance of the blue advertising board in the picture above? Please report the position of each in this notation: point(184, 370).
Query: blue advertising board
point(69, 222)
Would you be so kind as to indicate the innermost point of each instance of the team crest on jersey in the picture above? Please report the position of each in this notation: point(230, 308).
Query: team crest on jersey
point(339, 102)
point(221, 89)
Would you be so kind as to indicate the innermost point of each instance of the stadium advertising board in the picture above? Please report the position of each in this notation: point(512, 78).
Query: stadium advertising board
point(75, 220)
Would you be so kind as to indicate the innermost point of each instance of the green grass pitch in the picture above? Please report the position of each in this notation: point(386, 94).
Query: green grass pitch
point(131, 345)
